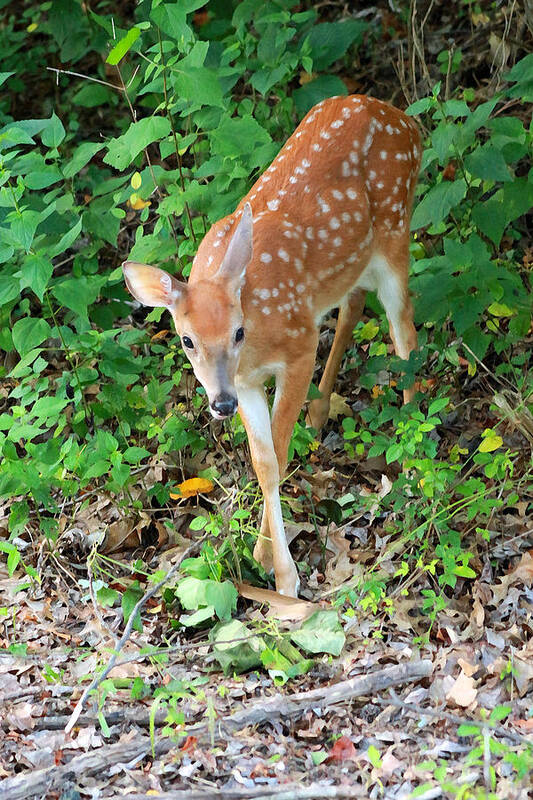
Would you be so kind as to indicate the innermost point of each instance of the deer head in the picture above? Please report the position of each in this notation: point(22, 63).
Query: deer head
point(207, 314)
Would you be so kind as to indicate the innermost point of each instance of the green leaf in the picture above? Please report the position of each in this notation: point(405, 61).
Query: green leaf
point(36, 271)
point(488, 163)
point(438, 202)
point(373, 756)
point(192, 620)
point(4, 76)
point(194, 593)
point(234, 655)
point(82, 155)
point(23, 228)
point(78, 293)
point(500, 712)
point(319, 89)
point(464, 572)
point(122, 46)
point(329, 41)
point(66, 240)
point(394, 452)
point(94, 94)
point(123, 149)
point(29, 332)
point(54, 133)
point(318, 756)
point(199, 85)
point(321, 633)
point(9, 289)
point(419, 106)
point(235, 136)
point(130, 599)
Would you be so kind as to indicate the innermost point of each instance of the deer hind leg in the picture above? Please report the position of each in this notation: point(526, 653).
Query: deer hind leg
point(393, 293)
point(349, 314)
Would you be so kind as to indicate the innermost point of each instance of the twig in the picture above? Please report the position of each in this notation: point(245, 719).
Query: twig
point(418, 711)
point(97, 680)
point(85, 77)
point(288, 791)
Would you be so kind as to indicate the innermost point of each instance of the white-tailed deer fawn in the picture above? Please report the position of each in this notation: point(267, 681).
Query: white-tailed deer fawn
point(327, 221)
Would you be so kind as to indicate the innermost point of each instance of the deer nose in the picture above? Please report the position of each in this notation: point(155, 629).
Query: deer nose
point(224, 405)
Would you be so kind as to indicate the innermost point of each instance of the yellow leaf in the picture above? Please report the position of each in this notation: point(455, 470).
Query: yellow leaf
point(159, 335)
point(192, 487)
point(472, 368)
point(491, 441)
point(137, 203)
point(32, 27)
point(136, 181)
point(376, 391)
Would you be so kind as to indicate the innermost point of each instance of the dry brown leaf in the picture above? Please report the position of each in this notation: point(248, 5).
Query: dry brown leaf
point(338, 407)
point(280, 606)
point(463, 692)
point(468, 669)
point(523, 572)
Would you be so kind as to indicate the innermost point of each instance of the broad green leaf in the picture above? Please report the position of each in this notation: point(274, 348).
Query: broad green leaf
point(199, 85)
point(234, 655)
point(4, 76)
point(82, 155)
point(437, 203)
point(122, 46)
point(329, 41)
point(464, 572)
point(123, 149)
point(23, 228)
point(487, 162)
point(321, 633)
point(78, 293)
point(195, 593)
point(237, 135)
point(94, 94)
point(9, 289)
point(319, 89)
point(29, 332)
point(54, 133)
point(36, 271)
point(66, 240)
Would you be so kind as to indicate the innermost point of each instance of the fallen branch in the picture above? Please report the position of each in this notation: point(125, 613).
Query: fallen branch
point(289, 791)
point(43, 780)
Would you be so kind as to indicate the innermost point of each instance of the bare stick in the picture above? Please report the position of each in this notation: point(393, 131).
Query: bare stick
point(97, 680)
point(437, 713)
point(287, 705)
point(288, 791)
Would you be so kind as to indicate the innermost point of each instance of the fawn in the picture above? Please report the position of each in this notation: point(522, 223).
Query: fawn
point(327, 221)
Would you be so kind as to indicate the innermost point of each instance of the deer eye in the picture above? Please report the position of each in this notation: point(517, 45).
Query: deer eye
point(239, 334)
point(187, 342)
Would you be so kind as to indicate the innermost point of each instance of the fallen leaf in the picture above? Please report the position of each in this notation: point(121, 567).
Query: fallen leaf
point(159, 335)
point(338, 407)
point(280, 606)
point(192, 487)
point(342, 750)
point(463, 692)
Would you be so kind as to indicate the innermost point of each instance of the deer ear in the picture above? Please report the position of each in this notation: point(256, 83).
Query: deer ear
point(152, 286)
point(239, 252)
